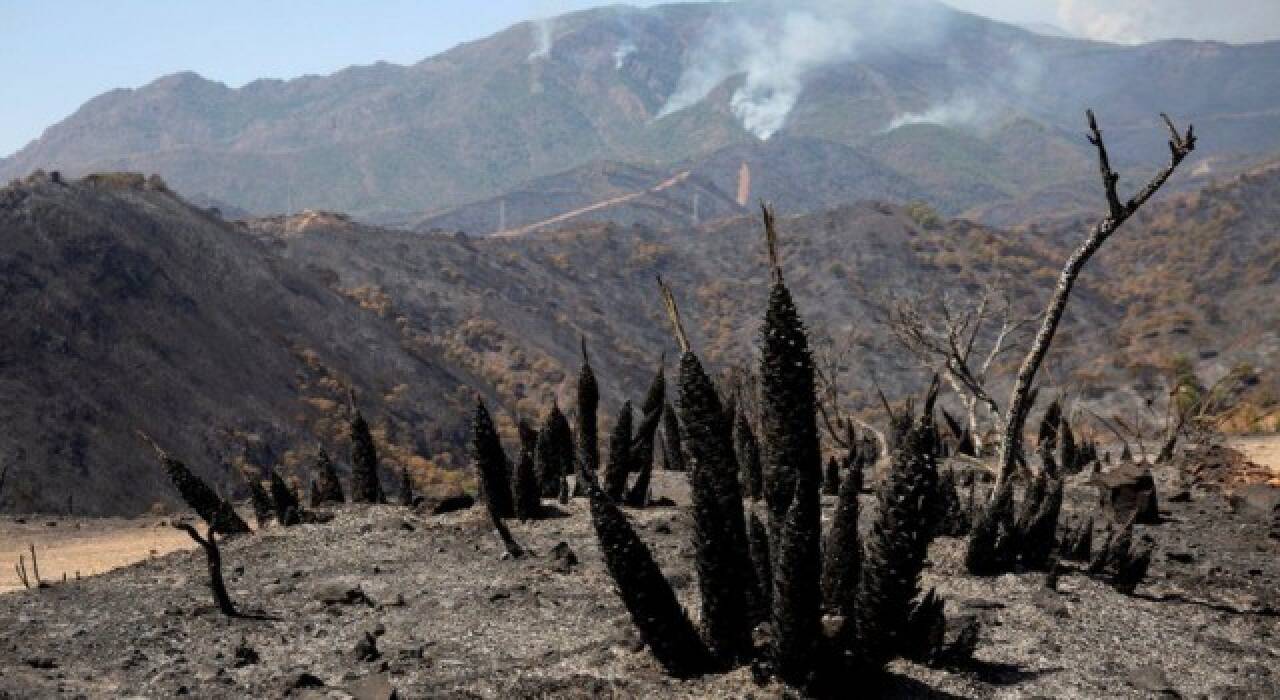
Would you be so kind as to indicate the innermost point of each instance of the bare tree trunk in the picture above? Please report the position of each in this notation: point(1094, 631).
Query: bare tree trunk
point(1180, 146)
point(219, 588)
point(971, 408)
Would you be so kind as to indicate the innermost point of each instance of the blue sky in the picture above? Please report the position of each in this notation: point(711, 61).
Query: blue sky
point(56, 54)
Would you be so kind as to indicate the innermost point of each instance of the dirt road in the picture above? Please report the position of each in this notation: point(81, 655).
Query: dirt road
point(68, 545)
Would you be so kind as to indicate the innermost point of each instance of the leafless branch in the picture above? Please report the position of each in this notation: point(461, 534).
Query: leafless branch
point(1180, 146)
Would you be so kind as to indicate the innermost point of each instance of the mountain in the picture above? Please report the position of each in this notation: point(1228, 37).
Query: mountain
point(126, 309)
point(233, 344)
point(487, 118)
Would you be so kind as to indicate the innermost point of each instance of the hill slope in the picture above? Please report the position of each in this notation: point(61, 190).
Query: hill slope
point(125, 309)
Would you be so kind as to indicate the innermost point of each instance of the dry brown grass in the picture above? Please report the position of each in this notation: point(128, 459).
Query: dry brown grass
point(89, 546)
point(1264, 450)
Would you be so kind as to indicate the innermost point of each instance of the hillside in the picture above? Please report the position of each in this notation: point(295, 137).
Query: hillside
point(126, 309)
point(232, 343)
point(676, 85)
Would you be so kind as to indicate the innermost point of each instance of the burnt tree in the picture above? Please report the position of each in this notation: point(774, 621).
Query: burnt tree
point(1180, 146)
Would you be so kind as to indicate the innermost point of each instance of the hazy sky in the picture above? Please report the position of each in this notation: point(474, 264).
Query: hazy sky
point(54, 55)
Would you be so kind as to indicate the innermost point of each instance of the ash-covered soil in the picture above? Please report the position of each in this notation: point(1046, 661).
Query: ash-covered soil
point(450, 617)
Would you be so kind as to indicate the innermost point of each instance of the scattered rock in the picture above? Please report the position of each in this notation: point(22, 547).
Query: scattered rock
point(375, 687)
point(563, 558)
point(306, 680)
point(1051, 602)
point(367, 648)
point(451, 504)
point(1255, 499)
point(1126, 490)
point(245, 655)
point(342, 594)
point(1151, 679)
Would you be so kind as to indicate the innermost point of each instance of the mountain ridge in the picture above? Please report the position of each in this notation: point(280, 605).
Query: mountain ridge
point(474, 122)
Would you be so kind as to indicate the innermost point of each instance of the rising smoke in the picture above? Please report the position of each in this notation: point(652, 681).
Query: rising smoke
point(620, 54)
point(776, 46)
point(1134, 21)
point(543, 38)
point(961, 111)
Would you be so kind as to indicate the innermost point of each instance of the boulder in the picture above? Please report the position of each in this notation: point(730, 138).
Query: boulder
point(448, 505)
point(1126, 491)
point(563, 558)
point(1255, 499)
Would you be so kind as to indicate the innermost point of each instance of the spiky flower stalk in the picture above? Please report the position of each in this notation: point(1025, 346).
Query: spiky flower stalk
point(843, 566)
point(287, 509)
point(528, 491)
point(896, 546)
point(651, 418)
point(554, 452)
point(1077, 544)
point(219, 514)
point(1038, 531)
point(642, 447)
point(792, 470)
point(720, 544)
point(619, 464)
point(491, 463)
point(663, 625)
point(406, 487)
point(831, 477)
point(588, 454)
point(263, 509)
point(366, 486)
point(988, 549)
point(327, 486)
point(672, 442)
point(797, 594)
point(762, 563)
point(748, 451)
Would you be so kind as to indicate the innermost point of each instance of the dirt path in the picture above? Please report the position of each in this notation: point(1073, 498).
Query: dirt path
point(1264, 450)
point(89, 547)
point(603, 204)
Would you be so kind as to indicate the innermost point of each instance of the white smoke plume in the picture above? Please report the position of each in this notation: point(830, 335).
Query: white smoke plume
point(543, 38)
point(777, 46)
point(1136, 21)
point(961, 111)
point(621, 53)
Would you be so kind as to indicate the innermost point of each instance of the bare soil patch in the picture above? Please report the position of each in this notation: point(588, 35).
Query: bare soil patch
point(452, 618)
point(84, 546)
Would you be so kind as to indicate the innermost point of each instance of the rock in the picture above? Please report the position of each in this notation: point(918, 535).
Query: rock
point(1151, 679)
point(1050, 602)
point(451, 504)
point(1255, 499)
point(375, 687)
point(367, 648)
point(1127, 490)
point(342, 594)
point(306, 680)
point(563, 558)
point(1179, 557)
point(41, 662)
point(245, 655)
